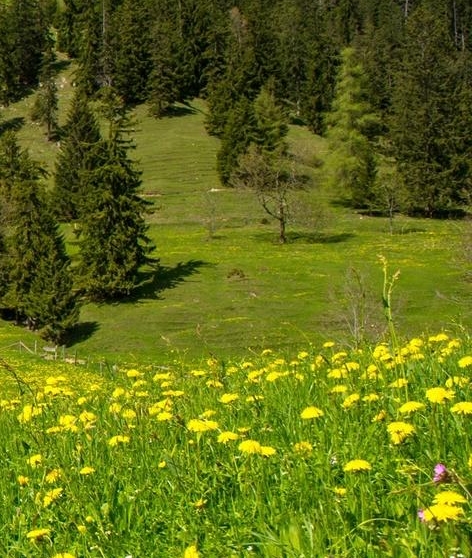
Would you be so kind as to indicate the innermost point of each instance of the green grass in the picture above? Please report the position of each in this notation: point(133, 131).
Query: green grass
point(243, 458)
point(227, 286)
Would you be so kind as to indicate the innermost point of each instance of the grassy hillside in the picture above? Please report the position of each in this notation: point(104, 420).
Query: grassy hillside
point(226, 285)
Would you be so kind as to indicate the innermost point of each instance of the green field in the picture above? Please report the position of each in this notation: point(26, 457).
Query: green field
point(225, 285)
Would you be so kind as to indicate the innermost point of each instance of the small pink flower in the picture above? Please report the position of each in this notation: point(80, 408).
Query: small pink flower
point(441, 474)
point(421, 515)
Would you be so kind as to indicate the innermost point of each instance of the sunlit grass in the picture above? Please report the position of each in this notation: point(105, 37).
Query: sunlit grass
point(325, 452)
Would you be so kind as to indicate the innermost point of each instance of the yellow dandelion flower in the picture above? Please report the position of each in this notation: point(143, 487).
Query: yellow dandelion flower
point(449, 498)
point(356, 465)
point(87, 417)
point(162, 464)
point(273, 376)
point(250, 446)
point(267, 451)
point(338, 356)
point(302, 355)
point(465, 361)
point(115, 408)
point(64, 555)
point(380, 416)
point(116, 440)
point(350, 400)
point(254, 398)
point(199, 425)
point(53, 476)
point(208, 413)
point(134, 373)
point(35, 460)
point(118, 392)
point(266, 352)
point(227, 436)
point(371, 397)
point(164, 416)
point(199, 504)
point(82, 529)
point(311, 412)
point(87, 470)
point(352, 366)
point(304, 448)
point(460, 381)
point(469, 462)
point(411, 407)
point(244, 429)
point(462, 408)
point(38, 534)
point(441, 512)
point(400, 383)
point(340, 491)
point(51, 496)
point(22, 480)
point(399, 431)
point(191, 552)
point(439, 394)
point(337, 374)
point(162, 376)
point(214, 384)
point(129, 414)
point(228, 398)
point(328, 344)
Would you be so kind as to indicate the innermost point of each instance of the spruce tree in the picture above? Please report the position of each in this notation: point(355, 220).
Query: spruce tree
point(270, 122)
point(81, 133)
point(113, 240)
point(45, 108)
point(352, 125)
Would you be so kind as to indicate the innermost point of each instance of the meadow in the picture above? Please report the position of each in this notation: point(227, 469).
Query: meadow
point(224, 285)
point(330, 452)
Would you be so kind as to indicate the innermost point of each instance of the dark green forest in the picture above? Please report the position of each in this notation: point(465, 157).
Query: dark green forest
point(387, 82)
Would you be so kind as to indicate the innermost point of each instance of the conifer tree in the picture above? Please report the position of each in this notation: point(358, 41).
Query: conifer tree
point(113, 240)
point(270, 122)
point(352, 125)
point(45, 108)
point(81, 133)
point(34, 266)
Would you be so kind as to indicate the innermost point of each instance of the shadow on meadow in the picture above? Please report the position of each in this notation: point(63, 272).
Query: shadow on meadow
point(80, 332)
point(162, 278)
point(294, 237)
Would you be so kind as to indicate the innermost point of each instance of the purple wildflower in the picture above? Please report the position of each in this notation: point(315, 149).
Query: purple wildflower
point(421, 515)
point(441, 474)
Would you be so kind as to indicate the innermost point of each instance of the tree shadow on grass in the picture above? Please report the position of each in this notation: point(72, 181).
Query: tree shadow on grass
point(294, 237)
point(80, 332)
point(13, 124)
point(162, 278)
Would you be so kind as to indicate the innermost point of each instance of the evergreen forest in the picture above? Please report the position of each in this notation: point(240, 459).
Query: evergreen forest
point(387, 83)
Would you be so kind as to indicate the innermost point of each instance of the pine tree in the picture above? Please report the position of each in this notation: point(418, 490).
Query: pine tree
point(428, 114)
point(81, 134)
point(113, 240)
point(34, 265)
point(45, 108)
point(351, 165)
point(270, 122)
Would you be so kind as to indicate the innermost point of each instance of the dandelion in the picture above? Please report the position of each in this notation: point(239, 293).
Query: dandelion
point(462, 408)
point(51, 496)
point(134, 374)
point(227, 436)
point(199, 504)
point(191, 552)
point(35, 460)
point(371, 397)
point(214, 383)
point(400, 383)
point(162, 464)
point(22, 480)
point(87, 470)
point(250, 446)
point(38, 534)
point(129, 414)
point(267, 451)
point(399, 431)
point(119, 439)
point(350, 400)
point(411, 407)
point(228, 398)
point(198, 425)
point(328, 344)
point(340, 491)
point(164, 416)
point(439, 394)
point(118, 392)
point(304, 448)
point(380, 416)
point(440, 512)
point(465, 361)
point(449, 498)
point(460, 381)
point(53, 476)
point(340, 388)
point(82, 529)
point(356, 465)
point(311, 413)
point(64, 555)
